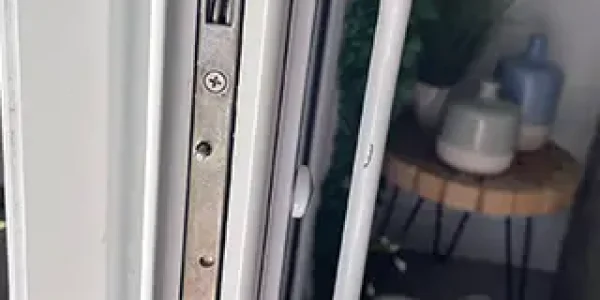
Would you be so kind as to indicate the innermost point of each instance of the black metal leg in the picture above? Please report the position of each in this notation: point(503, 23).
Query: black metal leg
point(525, 257)
point(527, 242)
point(508, 244)
point(411, 219)
point(457, 235)
point(439, 215)
point(388, 212)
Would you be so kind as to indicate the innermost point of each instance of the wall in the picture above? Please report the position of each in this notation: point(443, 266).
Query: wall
point(574, 45)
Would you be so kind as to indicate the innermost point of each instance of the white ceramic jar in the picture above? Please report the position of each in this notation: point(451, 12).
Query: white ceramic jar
point(479, 136)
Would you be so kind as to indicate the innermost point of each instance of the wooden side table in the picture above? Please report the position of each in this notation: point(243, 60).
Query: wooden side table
point(537, 183)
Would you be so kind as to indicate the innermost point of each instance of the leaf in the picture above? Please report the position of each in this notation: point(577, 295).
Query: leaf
point(425, 9)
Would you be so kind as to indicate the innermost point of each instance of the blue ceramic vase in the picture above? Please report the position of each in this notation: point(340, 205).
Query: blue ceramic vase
point(535, 83)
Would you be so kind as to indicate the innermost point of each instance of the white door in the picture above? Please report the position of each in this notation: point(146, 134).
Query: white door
point(304, 132)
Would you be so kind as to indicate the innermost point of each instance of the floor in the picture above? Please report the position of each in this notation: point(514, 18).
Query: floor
point(3, 267)
point(427, 279)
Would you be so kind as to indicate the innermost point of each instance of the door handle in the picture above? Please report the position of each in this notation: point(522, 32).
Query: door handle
point(303, 189)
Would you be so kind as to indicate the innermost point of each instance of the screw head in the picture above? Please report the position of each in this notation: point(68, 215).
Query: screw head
point(215, 81)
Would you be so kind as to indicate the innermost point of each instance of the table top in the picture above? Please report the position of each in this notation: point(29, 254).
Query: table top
point(540, 182)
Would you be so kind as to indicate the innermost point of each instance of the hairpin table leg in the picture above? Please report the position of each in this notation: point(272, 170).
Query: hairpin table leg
point(527, 242)
point(456, 236)
point(411, 218)
point(508, 245)
point(439, 215)
point(525, 257)
point(387, 208)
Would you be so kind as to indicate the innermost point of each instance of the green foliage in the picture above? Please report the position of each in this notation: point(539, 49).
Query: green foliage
point(455, 37)
point(360, 22)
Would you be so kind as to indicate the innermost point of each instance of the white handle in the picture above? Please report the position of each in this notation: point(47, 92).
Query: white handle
point(303, 189)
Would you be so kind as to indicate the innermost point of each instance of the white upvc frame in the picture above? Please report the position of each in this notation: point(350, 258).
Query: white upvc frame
point(293, 117)
point(324, 128)
point(178, 89)
point(384, 67)
point(10, 87)
point(86, 211)
point(56, 221)
point(259, 90)
point(152, 166)
point(115, 165)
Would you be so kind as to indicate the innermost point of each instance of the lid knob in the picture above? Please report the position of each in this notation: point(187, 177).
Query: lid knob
point(538, 46)
point(488, 90)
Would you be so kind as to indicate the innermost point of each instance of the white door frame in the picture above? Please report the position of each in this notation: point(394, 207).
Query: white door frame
point(10, 83)
point(75, 224)
point(74, 106)
point(263, 43)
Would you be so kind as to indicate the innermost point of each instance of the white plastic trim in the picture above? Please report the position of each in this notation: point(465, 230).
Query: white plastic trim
point(153, 141)
point(259, 87)
point(321, 145)
point(383, 72)
point(290, 124)
point(177, 112)
point(12, 128)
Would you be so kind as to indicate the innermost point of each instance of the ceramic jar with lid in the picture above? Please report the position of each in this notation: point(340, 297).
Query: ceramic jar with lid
point(479, 135)
point(534, 82)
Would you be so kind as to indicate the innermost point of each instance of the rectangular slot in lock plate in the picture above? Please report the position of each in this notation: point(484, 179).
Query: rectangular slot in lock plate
point(219, 12)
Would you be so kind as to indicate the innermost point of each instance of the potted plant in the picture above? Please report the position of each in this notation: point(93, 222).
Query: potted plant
point(450, 43)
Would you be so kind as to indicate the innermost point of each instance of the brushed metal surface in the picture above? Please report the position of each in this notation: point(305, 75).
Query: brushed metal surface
point(211, 141)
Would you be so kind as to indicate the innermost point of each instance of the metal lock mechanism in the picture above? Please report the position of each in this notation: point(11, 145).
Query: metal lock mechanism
point(213, 105)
